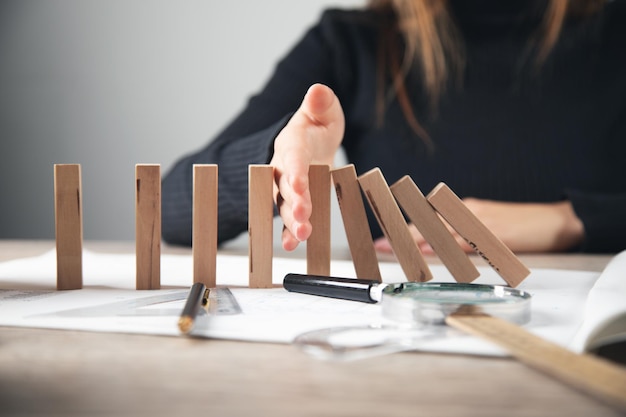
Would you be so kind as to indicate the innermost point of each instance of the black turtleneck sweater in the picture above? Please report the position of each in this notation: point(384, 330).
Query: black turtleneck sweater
point(508, 133)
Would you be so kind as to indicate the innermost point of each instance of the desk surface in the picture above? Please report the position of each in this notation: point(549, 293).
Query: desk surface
point(63, 373)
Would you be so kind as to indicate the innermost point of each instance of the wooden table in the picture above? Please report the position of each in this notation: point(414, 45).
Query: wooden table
point(69, 373)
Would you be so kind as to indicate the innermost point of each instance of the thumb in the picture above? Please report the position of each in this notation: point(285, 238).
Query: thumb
point(321, 107)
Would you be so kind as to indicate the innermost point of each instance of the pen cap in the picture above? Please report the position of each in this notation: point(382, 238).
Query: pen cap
point(334, 287)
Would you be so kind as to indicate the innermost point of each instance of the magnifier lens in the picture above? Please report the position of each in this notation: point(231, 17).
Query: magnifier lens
point(430, 303)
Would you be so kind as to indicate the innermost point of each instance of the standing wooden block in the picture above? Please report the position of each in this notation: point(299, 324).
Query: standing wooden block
point(394, 226)
point(479, 237)
point(318, 244)
point(424, 217)
point(260, 225)
point(355, 223)
point(68, 226)
point(204, 237)
point(148, 226)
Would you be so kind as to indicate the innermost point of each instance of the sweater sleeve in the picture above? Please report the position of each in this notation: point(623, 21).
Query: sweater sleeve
point(248, 139)
point(603, 218)
point(233, 160)
point(603, 210)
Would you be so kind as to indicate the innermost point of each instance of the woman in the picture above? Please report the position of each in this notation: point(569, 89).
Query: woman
point(517, 105)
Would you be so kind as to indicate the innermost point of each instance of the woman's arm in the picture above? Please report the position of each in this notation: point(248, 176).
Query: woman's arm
point(249, 139)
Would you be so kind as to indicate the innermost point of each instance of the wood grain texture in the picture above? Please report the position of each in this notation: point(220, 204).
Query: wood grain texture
point(68, 221)
point(424, 217)
point(148, 226)
point(394, 226)
point(204, 237)
point(318, 244)
point(114, 374)
point(356, 226)
point(597, 377)
point(119, 374)
point(479, 237)
point(260, 225)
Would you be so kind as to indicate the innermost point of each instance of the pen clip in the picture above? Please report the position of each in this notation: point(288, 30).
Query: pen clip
point(206, 300)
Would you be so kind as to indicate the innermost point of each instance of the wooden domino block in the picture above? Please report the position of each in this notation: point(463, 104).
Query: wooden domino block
point(318, 244)
point(479, 237)
point(68, 226)
point(260, 225)
point(148, 226)
point(355, 223)
point(424, 217)
point(394, 226)
point(204, 237)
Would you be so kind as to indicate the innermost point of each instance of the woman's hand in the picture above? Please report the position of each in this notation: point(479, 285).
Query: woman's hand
point(312, 136)
point(523, 227)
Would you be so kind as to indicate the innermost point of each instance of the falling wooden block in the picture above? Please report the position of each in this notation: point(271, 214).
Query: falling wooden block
point(68, 226)
point(424, 217)
point(204, 235)
point(355, 223)
point(318, 244)
point(148, 226)
point(260, 225)
point(479, 237)
point(394, 226)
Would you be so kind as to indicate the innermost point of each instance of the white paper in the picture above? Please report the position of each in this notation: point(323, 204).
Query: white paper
point(109, 303)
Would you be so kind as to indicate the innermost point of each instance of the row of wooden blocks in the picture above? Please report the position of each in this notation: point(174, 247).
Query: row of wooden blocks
point(387, 204)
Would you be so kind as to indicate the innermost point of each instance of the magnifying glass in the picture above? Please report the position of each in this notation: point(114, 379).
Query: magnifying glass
point(417, 312)
point(490, 312)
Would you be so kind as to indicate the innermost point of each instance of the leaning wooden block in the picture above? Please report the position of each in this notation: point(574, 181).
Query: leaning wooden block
point(355, 223)
point(204, 235)
point(424, 217)
point(318, 244)
point(148, 226)
point(260, 225)
point(479, 237)
point(394, 226)
point(68, 226)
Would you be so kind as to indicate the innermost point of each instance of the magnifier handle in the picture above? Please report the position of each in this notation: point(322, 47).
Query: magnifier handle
point(334, 287)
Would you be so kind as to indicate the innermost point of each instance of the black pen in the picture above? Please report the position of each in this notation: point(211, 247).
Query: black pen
point(198, 298)
point(364, 290)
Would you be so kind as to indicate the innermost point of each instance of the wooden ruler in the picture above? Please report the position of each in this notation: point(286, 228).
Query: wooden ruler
point(593, 375)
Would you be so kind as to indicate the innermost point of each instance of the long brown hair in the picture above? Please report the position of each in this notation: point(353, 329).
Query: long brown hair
point(433, 44)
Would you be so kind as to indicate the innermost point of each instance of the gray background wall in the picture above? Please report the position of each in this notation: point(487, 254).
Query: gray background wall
point(109, 84)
